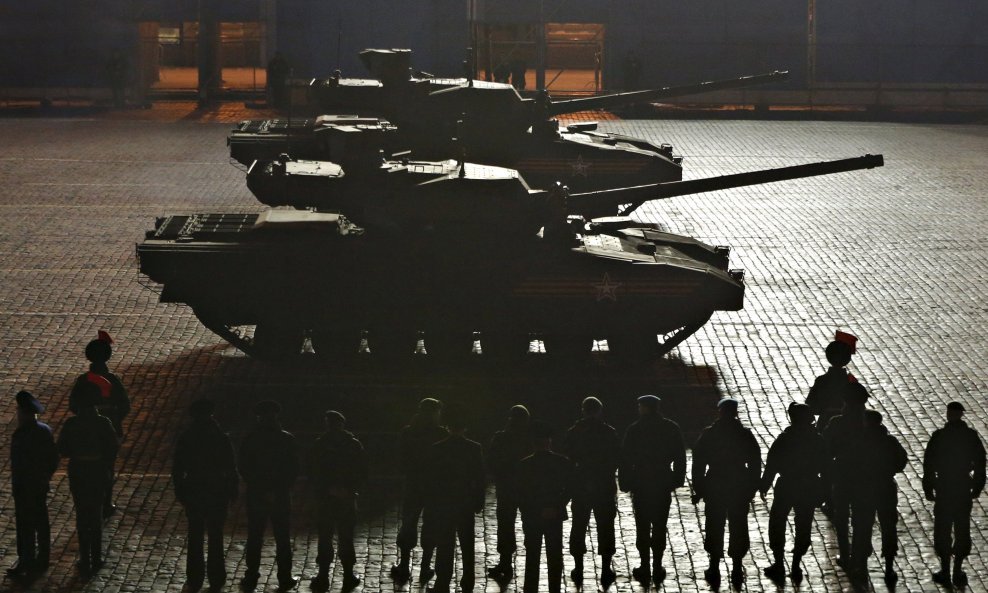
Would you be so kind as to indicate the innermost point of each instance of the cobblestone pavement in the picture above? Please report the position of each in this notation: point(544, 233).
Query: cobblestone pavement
point(896, 255)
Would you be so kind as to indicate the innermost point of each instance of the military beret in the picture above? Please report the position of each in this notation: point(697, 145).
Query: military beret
point(28, 403)
point(592, 404)
point(201, 408)
point(956, 407)
point(335, 416)
point(649, 401)
point(518, 411)
point(267, 408)
point(727, 401)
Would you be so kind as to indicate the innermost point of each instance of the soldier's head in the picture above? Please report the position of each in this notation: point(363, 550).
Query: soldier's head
point(541, 436)
point(28, 407)
point(955, 411)
point(518, 417)
point(267, 412)
point(872, 419)
point(88, 393)
point(202, 409)
point(727, 407)
point(455, 417)
point(430, 411)
point(800, 414)
point(592, 407)
point(334, 421)
point(838, 354)
point(648, 405)
point(855, 397)
point(101, 349)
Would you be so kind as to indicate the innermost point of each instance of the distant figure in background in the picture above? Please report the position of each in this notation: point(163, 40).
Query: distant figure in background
point(509, 446)
point(543, 488)
point(277, 78)
point(502, 72)
point(826, 397)
point(518, 72)
point(269, 464)
point(117, 72)
point(653, 465)
point(455, 469)
point(632, 71)
point(798, 456)
point(90, 444)
point(727, 466)
point(115, 405)
point(880, 457)
point(592, 445)
point(843, 440)
point(953, 477)
point(204, 473)
point(338, 471)
point(414, 444)
point(33, 460)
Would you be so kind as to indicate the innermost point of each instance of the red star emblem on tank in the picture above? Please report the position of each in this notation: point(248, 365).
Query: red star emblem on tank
point(607, 289)
point(579, 167)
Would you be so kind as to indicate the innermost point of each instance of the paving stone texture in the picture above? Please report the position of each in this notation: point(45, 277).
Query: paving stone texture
point(897, 255)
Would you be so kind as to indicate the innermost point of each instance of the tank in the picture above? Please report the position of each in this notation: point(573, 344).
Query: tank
point(450, 251)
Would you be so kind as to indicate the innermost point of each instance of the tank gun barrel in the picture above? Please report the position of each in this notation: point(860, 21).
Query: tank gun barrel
point(605, 202)
point(632, 97)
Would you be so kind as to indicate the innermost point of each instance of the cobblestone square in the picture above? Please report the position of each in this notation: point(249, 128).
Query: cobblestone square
point(896, 255)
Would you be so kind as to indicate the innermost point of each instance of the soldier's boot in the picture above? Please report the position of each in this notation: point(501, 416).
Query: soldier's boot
point(576, 575)
point(350, 579)
point(737, 573)
point(943, 576)
point(777, 571)
point(891, 578)
point(960, 577)
point(320, 582)
point(401, 571)
point(712, 574)
point(658, 571)
point(426, 572)
point(642, 574)
point(607, 574)
point(796, 574)
point(502, 571)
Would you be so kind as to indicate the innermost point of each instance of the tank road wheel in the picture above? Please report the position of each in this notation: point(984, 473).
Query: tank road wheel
point(335, 343)
point(505, 344)
point(272, 341)
point(567, 346)
point(449, 344)
point(636, 347)
point(392, 344)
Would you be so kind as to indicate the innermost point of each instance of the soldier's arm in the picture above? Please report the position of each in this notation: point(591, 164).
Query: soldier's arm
point(929, 466)
point(899, 455)
point(679, 461)
point(754, 461)
point(120, 397)
point(50, 453)
point(625, 463)
point(771, 461)
point(495, 458)
point(178, 465)
point(814, 399)
point(293, 461)
point(109, 441)
point(360, 462)
point(699, 467)
point(979, 465)
point(64, 443)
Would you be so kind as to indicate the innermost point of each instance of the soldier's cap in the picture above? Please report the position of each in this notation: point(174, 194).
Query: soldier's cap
point(650, 402)
point(28, 403)
point(202, 408)
point(105, 387)
point(334, 416)
point(430, 404)
point(956, 407)
point(87, 394)
point(846, 338)
point(798, 411)
point(856, 393)
point(267, 408)
point(591, 404)
point(518, 411)
point(727, 401)
point(541, 430)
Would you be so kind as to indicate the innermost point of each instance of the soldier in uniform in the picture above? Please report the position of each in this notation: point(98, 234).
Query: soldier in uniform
point(204, 473)
point(455, 466)
point(508, 447)
point(953, 477)
point(727, 465)
point(842, 437)
point(33, 459)
point(115, 405)
point(653, 465)
point(90, 444)
point(338, 470)
point(421, 433)
point(826, 397)
point(269, 464)
point(593, 447)
point(880, 457)
point(798, 456)
point(543, 488)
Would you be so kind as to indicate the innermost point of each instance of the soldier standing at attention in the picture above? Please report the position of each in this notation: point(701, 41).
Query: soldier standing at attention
point(90, 444)
point(338, 470)
point(508, 447)
point(33, 459)
point(269, 464)
point(953, 477)
point(799, 458)
point(653, 465)
point(421, 433)
point(204, 473)
point(881, 456)
point(727, 465)
point(592, 445)
point(115, 405)
point(826, 397)
point(843, 441)
point(456, 482)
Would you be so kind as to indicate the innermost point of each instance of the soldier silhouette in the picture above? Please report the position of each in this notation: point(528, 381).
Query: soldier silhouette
point(953, 477)
point(653, 465)
point(269, 464)
point(726, 469)
point(508, 447)
point(798, 456)
point(843, 441)
point(880, 457)
point(33, 460)
point(593, 447)
point(421, 433)
point(455, 470)
point(338, 471)
point(826, 397)
point(90, 444)
point(204, 474)
point(543, 486)
point(115, 405)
